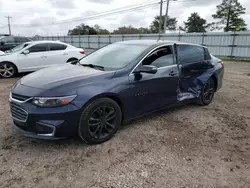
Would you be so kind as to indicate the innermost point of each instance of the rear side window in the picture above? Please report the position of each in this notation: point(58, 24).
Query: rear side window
point(56, 47)
point(38, 48)
point(21, 39)
point(191, 53)
point(8, 40)
point(207, 54)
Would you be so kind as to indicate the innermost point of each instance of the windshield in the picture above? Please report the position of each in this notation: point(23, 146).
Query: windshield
point(114, 56)
point(2, 37)
point(19, 47)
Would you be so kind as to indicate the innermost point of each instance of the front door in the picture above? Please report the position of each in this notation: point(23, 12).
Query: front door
point(35, 59)
point(154, 91)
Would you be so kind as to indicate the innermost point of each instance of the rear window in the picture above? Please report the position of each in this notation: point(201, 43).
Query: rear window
point(21, 39)
point(191, 53)
point(55, 47)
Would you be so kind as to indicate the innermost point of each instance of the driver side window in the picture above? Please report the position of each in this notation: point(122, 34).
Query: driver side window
point(38, 48)
point(161, 57)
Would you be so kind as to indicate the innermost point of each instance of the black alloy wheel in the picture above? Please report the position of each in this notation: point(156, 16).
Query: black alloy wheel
point(100, 121)
point(207, 93)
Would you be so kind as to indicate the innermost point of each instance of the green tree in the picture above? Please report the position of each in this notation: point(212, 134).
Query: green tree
point(144, 30)
point(154, 27)
point(131, 30)
point(229, 12)
point(82, 30)
point(101, 31)
point(195, 23)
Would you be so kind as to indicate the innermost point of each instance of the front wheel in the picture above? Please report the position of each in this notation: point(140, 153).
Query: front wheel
point(7, 70)
point(207, 93)
point(99, 121)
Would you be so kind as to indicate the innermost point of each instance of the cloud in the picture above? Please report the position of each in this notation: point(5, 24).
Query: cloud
point(100, 1)
point(65, 4)
point(47, 11)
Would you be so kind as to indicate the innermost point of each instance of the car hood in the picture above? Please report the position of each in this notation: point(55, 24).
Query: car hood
point(63, 75)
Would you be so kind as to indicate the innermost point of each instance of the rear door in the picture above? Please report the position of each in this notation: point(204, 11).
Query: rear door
point(194, 61)
point(38, 54)
point(154, 91)
point(57, 54)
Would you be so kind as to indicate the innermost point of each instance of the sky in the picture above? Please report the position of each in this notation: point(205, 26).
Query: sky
point(44, 12)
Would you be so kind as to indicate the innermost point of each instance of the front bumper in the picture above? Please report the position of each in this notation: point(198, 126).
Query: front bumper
point(45, 123)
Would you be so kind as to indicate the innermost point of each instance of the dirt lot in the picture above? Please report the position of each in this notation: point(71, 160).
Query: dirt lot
point(189, 146)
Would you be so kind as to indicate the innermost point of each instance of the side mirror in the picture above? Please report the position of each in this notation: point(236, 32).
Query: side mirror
point(2, 43)
point(25, 52)
point(146, 69)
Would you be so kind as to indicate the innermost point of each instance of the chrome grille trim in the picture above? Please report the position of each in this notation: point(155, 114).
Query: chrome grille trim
point(17, 115)
point(18, 101)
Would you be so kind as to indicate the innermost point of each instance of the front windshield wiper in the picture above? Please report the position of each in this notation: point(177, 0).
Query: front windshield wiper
point(92, 66)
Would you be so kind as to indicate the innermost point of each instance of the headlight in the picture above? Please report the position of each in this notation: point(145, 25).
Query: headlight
point(53, 101)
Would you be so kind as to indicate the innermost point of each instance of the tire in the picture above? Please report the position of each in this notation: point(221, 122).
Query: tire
point(7, 70)
point(99, 121)
point(71, 59)
point(207, 93)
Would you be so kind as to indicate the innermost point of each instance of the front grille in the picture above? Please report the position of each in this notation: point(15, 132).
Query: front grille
point(19, 97)
point(18, 113)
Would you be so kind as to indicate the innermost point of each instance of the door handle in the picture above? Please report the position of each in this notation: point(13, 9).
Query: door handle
point(173, 73)
point(44, 57)
point(65, 54)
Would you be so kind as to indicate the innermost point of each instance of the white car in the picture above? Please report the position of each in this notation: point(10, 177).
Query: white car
point(32, 56)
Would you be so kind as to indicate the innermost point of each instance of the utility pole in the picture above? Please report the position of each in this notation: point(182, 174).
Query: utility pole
point(160, 21)
point(8, 17)
point(166, 17)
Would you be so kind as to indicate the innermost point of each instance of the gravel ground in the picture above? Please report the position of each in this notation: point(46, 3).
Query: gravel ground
point(189, 146)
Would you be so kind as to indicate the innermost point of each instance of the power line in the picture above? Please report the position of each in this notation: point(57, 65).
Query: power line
point(102, 14)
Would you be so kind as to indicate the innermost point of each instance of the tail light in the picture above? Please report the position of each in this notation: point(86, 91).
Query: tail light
point(82, 51)
point(222, 63)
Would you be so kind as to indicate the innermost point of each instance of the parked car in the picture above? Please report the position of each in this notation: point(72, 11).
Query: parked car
point(8, 42)
point(114, 84)
point(32, 56)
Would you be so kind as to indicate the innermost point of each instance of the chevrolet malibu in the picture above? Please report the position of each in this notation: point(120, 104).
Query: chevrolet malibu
point(92, 97)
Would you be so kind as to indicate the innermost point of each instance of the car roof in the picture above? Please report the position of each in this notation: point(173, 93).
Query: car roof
point(48, 41)
point(154, 42)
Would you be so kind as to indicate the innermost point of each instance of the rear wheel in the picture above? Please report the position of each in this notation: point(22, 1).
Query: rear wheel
point(100, 121)
point(7, 70)
point(207, 93)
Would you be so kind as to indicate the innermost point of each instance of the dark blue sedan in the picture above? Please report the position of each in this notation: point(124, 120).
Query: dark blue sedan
point(93, 96)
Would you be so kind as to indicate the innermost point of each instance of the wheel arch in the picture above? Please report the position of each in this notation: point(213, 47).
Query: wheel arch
point(112, 96)
point(10, 63)
point(72, 58)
